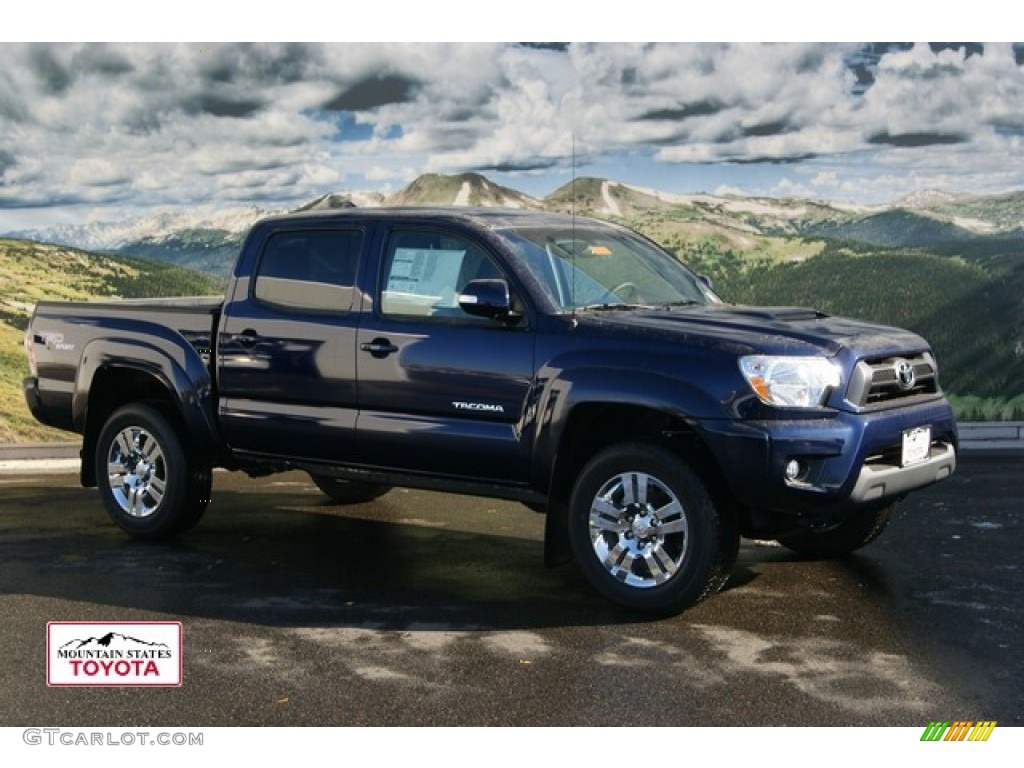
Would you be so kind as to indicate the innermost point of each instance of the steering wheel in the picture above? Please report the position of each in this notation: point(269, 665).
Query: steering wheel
point(629, 287)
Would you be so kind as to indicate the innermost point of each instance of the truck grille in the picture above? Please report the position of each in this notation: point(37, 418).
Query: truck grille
point(876, 382)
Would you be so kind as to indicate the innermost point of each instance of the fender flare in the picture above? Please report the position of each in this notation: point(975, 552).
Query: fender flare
point(169, 359)
point(609, 386)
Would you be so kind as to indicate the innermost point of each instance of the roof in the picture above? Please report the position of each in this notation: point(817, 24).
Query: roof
point(490, 218)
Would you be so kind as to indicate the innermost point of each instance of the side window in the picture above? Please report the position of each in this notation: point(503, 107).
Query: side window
point(312, 270)
point(424, 272)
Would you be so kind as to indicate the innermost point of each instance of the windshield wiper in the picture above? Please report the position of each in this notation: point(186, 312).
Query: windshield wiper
point(682, 303)
point(612, 306)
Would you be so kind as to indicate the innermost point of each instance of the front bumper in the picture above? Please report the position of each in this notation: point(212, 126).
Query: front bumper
point(879, 481)
point(849, 460)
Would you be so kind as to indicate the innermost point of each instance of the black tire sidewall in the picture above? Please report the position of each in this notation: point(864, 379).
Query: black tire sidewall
point(698, 575)
point(174, 508)
point(349, 491)
point(847, 537)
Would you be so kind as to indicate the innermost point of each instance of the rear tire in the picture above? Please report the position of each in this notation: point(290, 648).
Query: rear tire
point(645, 531)
point(349, 491)
point(842, 539)
point(150, 485)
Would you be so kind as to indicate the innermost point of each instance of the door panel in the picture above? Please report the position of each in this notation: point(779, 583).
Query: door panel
point(286, 353)
point(439, 390)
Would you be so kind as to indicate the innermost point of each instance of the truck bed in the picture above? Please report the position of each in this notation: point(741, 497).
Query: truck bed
point(62, 331)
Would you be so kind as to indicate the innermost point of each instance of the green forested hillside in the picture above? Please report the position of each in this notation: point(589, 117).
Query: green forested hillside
point(32, 271)
point(895, 229)
point(210, 251)
point(970, 309)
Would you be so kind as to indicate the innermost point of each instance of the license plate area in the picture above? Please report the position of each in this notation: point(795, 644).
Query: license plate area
point(916, 445)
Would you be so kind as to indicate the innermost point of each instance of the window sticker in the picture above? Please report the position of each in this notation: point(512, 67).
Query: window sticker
point(425, 272)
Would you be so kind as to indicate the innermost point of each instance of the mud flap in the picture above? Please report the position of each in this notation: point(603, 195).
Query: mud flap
point(557, 550)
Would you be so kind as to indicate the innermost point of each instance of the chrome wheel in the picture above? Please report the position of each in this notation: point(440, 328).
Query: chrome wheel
point(639, 530)
point(646, 533)
point(153, 483)
point(136, 472)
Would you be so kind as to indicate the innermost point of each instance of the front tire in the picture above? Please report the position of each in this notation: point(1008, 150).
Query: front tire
point(848, 536)
point(150, 486)
point(646, 533)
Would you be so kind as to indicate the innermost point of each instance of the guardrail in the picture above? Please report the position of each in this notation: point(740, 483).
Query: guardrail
point(13, 451)
point(991, 435)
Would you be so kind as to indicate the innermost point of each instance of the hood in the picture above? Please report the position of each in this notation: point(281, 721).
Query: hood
point(744, 330)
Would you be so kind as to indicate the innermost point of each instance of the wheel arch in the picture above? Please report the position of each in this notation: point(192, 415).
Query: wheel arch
point(110, 383)
point(594, 426)
point(647, 405)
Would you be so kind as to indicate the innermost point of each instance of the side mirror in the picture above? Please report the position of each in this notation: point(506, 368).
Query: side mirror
point(706, 279)
point(487, 298)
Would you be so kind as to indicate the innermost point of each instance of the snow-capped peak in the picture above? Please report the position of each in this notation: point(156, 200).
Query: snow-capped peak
point(111, 235)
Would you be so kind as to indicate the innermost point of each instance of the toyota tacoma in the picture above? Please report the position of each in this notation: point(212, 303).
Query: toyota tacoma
point(563, 362)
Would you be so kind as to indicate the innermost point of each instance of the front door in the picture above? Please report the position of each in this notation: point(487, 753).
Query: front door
point(441, 391)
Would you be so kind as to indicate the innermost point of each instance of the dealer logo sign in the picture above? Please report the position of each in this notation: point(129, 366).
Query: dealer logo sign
point(113, 653)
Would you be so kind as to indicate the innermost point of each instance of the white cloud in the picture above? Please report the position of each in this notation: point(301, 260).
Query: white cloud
point(825, 179)
point(148, 125)
point(379, 173)
point(724, 190)
point(789, 188)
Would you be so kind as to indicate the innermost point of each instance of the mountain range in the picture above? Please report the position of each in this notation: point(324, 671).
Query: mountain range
point(209, 241)
point(949, 267)
point(110, 641)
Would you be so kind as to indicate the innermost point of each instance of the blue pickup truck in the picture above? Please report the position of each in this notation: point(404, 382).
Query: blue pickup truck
point(563, 362)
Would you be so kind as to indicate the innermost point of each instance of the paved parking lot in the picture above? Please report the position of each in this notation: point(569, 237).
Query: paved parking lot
point(428, 609)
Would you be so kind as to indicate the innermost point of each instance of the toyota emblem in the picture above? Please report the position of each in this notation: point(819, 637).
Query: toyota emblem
point(906, 375)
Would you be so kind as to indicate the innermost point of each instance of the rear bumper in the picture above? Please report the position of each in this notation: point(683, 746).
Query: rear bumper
point(30, 386)
point(54, 412)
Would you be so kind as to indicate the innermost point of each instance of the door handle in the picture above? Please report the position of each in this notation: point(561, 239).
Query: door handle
point(379, 347)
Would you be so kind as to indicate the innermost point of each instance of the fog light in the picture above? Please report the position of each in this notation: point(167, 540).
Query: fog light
point(793, 470)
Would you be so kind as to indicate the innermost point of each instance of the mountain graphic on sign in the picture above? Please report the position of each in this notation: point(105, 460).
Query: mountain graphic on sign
point(109, 641)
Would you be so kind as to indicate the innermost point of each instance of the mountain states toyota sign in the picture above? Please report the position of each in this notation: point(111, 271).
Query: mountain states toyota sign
point(113, 653)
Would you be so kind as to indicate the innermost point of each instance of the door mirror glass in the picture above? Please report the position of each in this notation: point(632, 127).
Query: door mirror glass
point(486, 298)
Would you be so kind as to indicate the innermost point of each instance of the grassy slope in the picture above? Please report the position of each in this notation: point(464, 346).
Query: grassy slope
point(32, 271)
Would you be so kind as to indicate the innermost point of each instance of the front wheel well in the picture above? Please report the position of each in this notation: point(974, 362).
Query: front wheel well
point(111, 388)
point(593, 427)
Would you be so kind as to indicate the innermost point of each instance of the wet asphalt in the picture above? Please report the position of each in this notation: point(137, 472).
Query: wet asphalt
point(430, 609)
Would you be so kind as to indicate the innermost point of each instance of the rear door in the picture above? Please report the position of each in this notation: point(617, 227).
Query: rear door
point(440, 391)
point(286, 350)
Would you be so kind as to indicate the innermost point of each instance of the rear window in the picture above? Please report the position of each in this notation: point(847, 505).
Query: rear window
point(309, 270)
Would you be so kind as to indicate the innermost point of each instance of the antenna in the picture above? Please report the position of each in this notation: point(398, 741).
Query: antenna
point(572, 214)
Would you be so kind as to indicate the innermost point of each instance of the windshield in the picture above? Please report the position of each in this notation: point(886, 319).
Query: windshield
point(589, 266)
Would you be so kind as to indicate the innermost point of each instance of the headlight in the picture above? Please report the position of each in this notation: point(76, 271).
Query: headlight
point(793, 382)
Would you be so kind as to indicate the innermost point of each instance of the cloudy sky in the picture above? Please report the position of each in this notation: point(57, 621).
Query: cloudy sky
point(103, 131)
